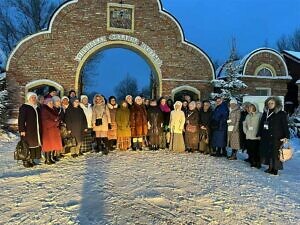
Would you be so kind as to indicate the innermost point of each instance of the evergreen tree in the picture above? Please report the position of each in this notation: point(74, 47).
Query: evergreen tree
point(3, 100)
point(230, 86)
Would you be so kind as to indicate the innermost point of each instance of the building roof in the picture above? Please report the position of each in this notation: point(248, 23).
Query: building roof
point(292, 55)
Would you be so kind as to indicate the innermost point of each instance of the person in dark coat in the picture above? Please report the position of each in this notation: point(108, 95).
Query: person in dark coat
point(155, 125)
point(273, 132)
point(138, 123)
point(244, 113)
point(51, 133)
point(165, 135)
point(76, 125)
point(205, 115)
point(61, 114)
point(191, 136)
point(29, 125)
point(185, 107)
point(219, 128)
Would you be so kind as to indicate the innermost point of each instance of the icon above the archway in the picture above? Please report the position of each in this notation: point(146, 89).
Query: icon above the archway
point(120, 17)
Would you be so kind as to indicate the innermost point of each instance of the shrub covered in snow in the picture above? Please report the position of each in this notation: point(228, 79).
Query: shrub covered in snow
point(3, 100)
point(294, 123)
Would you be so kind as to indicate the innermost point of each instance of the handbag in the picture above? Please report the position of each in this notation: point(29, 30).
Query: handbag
point(22, 151)
point(69, 141)
point(99, 122)
point(285, 152)
point(191, 128)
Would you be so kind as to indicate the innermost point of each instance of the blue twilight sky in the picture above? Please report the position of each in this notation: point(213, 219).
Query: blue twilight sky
point(211, 25)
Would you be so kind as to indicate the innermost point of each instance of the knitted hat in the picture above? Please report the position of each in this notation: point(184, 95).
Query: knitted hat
point(65, 97)
point(233, 101)
point(29, 94)
point(83, 96)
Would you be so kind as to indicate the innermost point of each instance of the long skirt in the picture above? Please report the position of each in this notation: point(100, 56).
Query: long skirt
point(192, 140)
point(154, 139)
point(123, 143)
point(112, 133)
point(177, 143)
point(87, 142)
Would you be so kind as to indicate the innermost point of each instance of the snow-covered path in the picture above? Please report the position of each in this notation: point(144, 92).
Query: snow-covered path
point(146, 188)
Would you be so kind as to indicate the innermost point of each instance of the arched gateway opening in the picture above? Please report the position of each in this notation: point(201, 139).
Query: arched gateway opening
point(80, 28)
point(156, 86)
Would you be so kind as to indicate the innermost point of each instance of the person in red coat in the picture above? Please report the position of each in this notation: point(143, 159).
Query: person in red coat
point(138, 123)
point(50, 129)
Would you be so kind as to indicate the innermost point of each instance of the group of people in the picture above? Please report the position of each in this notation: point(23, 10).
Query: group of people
point(138, 123)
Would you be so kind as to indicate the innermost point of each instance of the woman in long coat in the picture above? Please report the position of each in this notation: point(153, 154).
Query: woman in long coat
point(177, 121)
point(87, 142)
point(205, 115)
point(192, 128)
point(219, 128)
point(155, 122)
point(112, 133)
point(29, 125)
point(76, 125)
point(250, 128)
point(273, 131)
point(234, 128)
point(138, 123)
point(101, 123)
point(50, 127)
point(123, 123)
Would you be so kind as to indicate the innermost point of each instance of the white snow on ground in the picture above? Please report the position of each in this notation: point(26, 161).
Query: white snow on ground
point(147, 188)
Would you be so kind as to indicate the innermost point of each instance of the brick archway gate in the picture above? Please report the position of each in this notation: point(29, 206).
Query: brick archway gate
point(79, 27)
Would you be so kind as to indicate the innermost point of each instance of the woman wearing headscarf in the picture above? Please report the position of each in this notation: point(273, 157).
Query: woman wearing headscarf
point(177, 121)
point(101, 122)
point(112, 133)
point(165, 135)
point(138, 123)
point(155, 122)
point(273, 131)
point(88, 112)
point(192, 128)
point(123, 124)
point(234, 128)
point(51, 133)
point(29, 125)
point(76, 125)
point(250, 128)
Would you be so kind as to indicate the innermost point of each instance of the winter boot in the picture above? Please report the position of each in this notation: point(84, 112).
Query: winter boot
point(134, 146)
point(224, 152)
point(27, 164)
point(140, 146)
point(233, 155)
point(48, 158)
point(54, 157)
point(99, 145)
point(105, 149)
point(218, 152)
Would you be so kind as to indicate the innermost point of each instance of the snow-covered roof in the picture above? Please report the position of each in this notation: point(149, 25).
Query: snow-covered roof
point(298, 82)
point(220, 72)
point(292, 54)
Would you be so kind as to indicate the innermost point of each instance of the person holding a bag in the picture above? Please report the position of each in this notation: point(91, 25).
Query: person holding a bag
point(51, 133)
point(101, 122)
point(192, 128)
point(177, 121)
point(234, 128)
point(205, 115)
point(29, 125)
point(76, 125)
point(273, 132)
point(250, 128)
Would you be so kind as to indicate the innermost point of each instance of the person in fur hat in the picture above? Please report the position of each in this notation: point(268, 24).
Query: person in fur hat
point(192, 128)
point(155, 125)
point(273, 132)
point(138, 123)
point(177, 121)
point(87, 141)
point(112, 133)
point(101, 122)
point(51, 134)
point(29, 126)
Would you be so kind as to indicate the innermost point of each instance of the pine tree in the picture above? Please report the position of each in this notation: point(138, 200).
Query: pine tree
point(3, 100)
point(230, 86)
